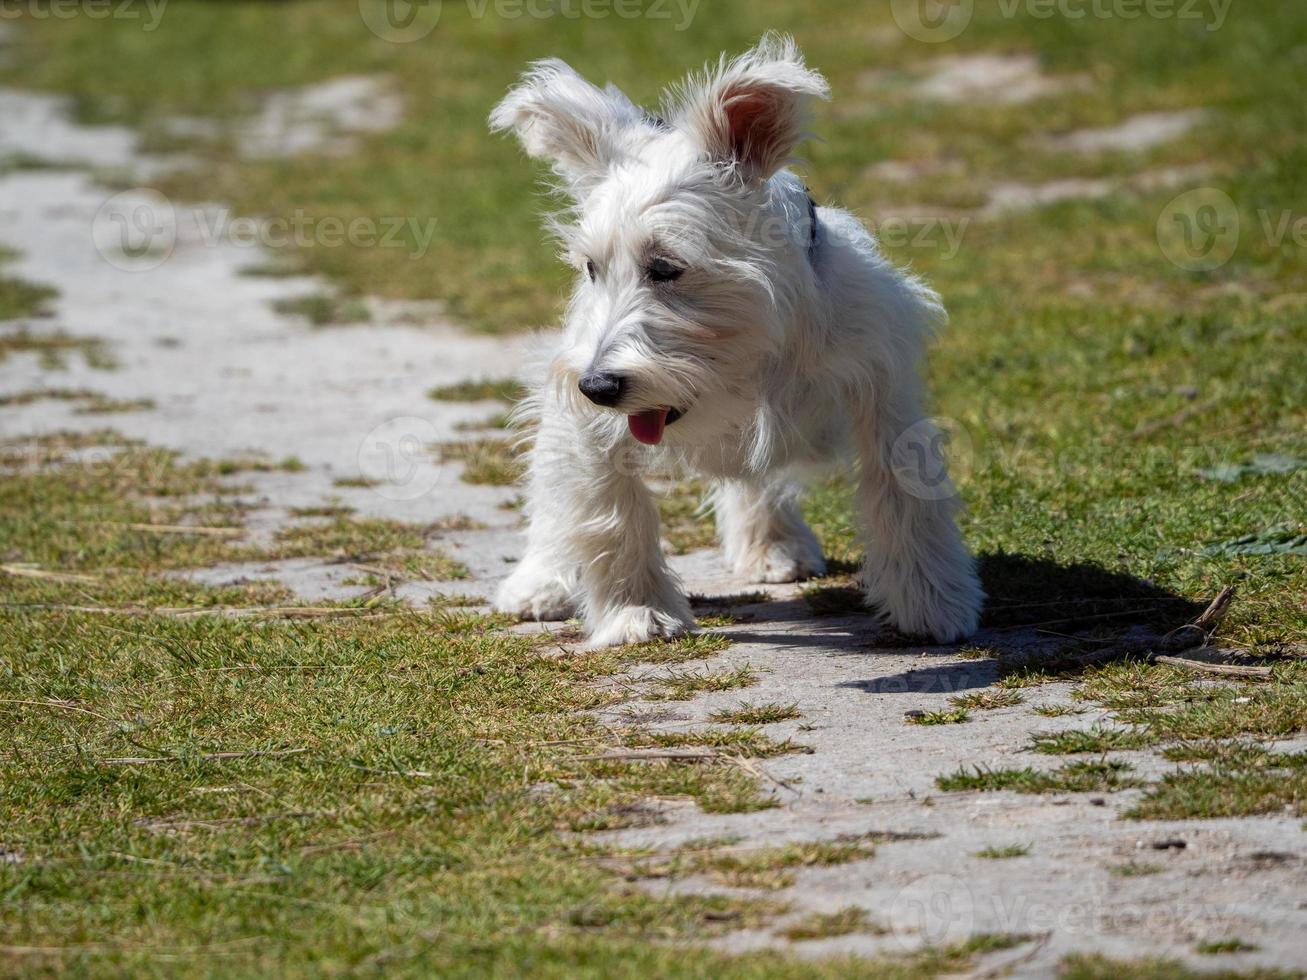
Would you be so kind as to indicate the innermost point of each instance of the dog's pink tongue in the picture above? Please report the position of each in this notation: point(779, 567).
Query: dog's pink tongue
point(648, 426)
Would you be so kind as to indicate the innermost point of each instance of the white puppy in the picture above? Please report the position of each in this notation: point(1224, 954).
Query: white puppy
point(722, 322)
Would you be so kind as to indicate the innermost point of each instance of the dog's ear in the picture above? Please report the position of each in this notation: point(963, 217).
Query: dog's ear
point(751, 113)
point(562, 118)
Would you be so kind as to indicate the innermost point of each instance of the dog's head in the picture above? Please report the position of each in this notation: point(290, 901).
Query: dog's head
point(688, 239)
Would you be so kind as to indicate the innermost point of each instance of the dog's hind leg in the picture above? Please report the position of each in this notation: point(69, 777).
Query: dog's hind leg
point(918, 570)
point(593, 543)
point(764, 537)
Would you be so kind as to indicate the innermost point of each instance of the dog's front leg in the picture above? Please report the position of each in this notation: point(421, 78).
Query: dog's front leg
point(594, 542)
point(918, 570)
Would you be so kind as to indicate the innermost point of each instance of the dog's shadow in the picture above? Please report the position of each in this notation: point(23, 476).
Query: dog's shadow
point(1034, 607)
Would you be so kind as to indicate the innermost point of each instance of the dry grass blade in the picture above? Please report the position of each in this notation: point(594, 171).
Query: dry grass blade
point(622, 755)
point(213, 532)
point(234, 612)
point(206, 757)
point(1206, 667)
point(1194, 634)
point(31, 571)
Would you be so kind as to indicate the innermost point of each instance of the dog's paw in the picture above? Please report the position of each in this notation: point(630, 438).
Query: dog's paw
point(782, 561)
point(533, 592)
point(637, 624)
point(944, 607)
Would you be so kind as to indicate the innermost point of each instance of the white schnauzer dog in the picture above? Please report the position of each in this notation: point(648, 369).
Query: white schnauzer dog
point(724, 323)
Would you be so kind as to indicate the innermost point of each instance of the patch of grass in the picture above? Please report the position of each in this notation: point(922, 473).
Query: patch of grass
point(90, 402)
point(102, 405)
point(324, 310)
point(955, 717)
point(489, 462)
point(818, 925)
point(355, 482)
point(1134, 869)
point(1075, 777)
point(986, 700)
point(770, 868)
point(756, 714)
point(686, 524)
point(1092, 966)
point(737, 741)
point(1224, 791)
point(322, 510)
point(500, 420)
point(1023, 677)
point(684, 687)
point(52, 348)
point(486, 389)
point(693, 646)
point(43, 394)
point(1215, 947)
point(1096, 740)
point(1056, 710)
point(20, 299)
point(347, 536)
point(1002, 853)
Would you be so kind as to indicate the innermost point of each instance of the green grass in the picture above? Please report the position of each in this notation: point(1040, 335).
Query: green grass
point(1135, 869)
point(295, 797)
point(684, 686)
point(1098, 740)
point(768, 868)
point(756, 714)
point(1228, 791)
point(489, 462)
point(845, 922)
point(1215, 947)
point(986, 700)
point(485, 389)
point(19, 298)
point(955, 717)
point(322, 310)
point(1097, 967)
point(1005, 852)
point(87, 402)
point(1074, 777)
point(52, 349)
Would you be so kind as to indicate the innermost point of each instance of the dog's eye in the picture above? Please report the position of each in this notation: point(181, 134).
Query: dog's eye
point(590, 269)
point(660, 270)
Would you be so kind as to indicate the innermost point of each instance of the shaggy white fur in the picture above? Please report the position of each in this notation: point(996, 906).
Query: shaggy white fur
point(721, 322)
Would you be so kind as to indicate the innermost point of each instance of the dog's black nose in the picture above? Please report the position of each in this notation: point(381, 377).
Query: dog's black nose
point(603, 388)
